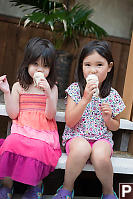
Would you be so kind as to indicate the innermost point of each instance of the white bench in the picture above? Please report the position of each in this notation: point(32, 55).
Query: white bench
point(121, 165)
point(60, 117)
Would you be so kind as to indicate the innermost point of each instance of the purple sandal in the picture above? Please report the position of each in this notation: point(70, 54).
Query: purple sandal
point(109, 196)
point(5, 192)
point(63, 194)
point(34, 192)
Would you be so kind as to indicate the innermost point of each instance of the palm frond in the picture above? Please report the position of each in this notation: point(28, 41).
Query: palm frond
point(43, 5)
point(74, 22)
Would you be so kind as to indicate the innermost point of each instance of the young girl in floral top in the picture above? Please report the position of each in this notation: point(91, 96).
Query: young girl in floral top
point(90, 120)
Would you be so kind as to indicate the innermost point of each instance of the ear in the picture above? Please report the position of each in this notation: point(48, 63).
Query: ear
point(110, 66)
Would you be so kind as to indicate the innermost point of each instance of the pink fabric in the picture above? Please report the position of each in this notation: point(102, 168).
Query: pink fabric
point(90, 142)
point(32, 148)
point(23, 169)
point(32, 121)
point(1, 141)
point(50, 137)
point(35, 119)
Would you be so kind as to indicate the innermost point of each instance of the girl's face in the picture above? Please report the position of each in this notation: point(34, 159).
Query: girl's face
point(96, 64)
point(39, 66)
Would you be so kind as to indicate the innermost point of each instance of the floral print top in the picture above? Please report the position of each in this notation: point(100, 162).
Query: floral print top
point(91, 126)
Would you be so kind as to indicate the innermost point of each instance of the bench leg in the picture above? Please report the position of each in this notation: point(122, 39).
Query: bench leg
point(9, 127)
point(124, 141)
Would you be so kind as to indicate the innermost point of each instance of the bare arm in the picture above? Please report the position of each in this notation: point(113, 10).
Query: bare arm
point(75, 111)
point(52, 97)
point(114, 123)
point(51, 103)
point(12, 102)
point(111, 123)
point(11, 98)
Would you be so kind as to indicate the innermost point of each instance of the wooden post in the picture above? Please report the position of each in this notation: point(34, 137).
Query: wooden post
point(128, 86)
point(128, 93)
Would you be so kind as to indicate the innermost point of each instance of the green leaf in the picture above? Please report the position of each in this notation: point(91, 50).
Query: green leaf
point(72, 23)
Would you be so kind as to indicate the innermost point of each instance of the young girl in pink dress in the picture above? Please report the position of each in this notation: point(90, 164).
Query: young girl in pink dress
point(90, 118)
point(32, 149)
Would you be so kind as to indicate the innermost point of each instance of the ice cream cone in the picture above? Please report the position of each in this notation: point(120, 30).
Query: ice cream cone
point(93, 78)
point(37, 77)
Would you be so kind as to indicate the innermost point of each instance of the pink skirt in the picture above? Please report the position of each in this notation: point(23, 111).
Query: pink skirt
point(26, 160)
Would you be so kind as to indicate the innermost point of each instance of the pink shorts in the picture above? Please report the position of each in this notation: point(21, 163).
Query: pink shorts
point(90, 142)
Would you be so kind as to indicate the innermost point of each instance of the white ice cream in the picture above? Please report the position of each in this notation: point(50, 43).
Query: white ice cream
point(94, 78)
point(37, 77)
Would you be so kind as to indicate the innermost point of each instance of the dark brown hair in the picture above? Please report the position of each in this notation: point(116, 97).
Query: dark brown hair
point(102, 48)
point(35, 48)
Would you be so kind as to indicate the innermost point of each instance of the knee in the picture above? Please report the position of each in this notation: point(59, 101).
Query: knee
point(81, 151)
point(82, 154)
point(100, 160)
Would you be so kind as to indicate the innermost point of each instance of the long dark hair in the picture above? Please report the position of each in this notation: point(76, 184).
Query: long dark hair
point(35, 48)
point(102, 48)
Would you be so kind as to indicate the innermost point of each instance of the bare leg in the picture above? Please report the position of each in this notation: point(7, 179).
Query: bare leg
point(8, 182)
point(79, 153)
point(100, 159)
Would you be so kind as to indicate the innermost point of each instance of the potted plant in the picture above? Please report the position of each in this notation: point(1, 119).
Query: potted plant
point(67, 25)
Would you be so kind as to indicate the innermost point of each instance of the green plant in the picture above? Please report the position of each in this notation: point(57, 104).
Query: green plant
point(68, 23)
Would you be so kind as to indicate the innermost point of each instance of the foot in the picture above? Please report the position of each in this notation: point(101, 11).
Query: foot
point(5, 192)
point(34, 193)
point(63, 194)
point(109, 196)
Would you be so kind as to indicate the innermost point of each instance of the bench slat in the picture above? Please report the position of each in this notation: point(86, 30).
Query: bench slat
point(60, 117)
point(120, 165)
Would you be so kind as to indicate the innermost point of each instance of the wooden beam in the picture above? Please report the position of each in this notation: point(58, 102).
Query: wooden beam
point(128, 93)
point(128, 86)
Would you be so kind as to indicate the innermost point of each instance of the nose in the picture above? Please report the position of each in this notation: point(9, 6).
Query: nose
point(39, 69)
point(93, 70)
